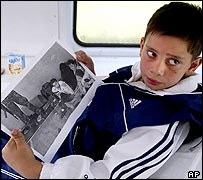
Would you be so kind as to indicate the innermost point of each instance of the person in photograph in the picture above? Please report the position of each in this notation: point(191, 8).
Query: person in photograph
point(13, 100)
point(87, 81)
point(60, 88)
point(65, 93)
point(46, 90)
point(81, 89)
point(67, 70)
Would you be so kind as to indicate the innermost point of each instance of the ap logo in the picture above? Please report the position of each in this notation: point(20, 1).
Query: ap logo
point(193, 174)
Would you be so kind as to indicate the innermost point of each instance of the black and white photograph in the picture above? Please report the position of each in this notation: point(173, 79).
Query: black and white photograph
point(42, 102)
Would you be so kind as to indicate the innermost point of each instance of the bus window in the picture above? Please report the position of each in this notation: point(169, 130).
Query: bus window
point(113, 23)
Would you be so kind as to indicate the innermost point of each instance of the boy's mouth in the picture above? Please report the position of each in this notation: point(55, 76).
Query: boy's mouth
point(153, 82)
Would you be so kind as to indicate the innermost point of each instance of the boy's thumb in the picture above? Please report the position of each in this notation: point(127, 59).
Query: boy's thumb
point(18, 137)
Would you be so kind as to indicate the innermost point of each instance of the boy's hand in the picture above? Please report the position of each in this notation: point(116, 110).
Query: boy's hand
point(85, 59)
point(19, 156)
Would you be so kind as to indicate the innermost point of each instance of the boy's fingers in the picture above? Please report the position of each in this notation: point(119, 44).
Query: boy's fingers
point(18, 137)
point(11, 145)
point(80, 54)
point(11, 142)
point(79, 57)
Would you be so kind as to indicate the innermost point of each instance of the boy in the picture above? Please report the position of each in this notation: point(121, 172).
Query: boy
point(149, 116)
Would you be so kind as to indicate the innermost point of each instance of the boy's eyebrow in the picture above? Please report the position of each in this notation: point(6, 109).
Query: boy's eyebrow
point(174, 56)
point(151, 48)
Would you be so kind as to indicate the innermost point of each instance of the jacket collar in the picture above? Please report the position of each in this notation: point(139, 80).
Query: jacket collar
point(185, 86)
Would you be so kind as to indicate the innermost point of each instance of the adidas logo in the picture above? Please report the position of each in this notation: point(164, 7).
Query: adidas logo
point(134, 102)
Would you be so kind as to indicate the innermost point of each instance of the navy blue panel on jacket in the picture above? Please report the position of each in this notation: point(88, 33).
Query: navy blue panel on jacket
point(117, 108)
point(120, 75)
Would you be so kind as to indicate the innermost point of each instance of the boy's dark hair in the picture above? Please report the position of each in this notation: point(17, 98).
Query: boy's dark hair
point(182, 20)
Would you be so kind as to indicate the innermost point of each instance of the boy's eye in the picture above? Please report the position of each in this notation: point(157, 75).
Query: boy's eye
point(173, 62)
point(151, 53)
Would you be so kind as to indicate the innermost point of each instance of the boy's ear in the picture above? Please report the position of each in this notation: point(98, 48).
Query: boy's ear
point(194, 65)
point(141, 45)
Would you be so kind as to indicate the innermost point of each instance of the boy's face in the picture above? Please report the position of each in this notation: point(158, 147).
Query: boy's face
point(165, 60)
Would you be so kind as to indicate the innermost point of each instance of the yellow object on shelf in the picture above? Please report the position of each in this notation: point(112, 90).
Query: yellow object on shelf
point(2, 70)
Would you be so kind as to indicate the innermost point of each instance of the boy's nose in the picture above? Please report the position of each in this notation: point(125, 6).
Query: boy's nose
point(159, 67)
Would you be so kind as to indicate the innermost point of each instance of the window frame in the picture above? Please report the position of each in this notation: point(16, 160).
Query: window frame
point(78, 41)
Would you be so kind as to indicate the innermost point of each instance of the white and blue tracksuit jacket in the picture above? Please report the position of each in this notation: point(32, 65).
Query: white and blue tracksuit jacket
point(127, 131)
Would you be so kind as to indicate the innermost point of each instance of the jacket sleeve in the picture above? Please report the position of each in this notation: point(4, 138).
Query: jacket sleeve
point(138, 154)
